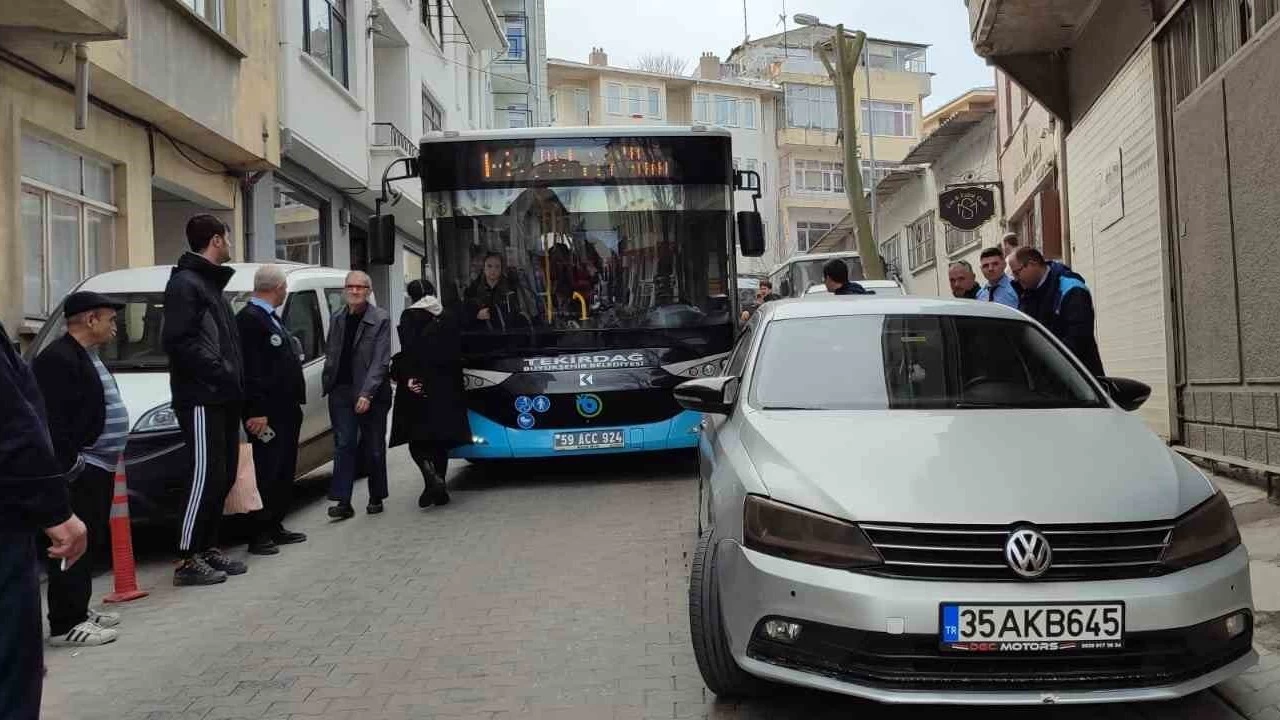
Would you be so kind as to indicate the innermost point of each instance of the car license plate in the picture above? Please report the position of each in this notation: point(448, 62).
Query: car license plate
point(589, 440)
point(1032, 628)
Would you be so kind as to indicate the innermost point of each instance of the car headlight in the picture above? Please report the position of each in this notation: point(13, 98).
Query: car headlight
point(1206, 533)
point(157, 419)
point(804, 536)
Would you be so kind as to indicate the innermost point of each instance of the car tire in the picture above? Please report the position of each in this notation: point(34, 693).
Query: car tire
point(706, 628)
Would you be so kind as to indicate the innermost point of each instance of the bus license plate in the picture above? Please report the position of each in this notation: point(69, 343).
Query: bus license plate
point(589, 440)
point(1032, 628)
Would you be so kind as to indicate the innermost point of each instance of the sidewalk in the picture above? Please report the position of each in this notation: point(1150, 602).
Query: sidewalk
point(1256, 694)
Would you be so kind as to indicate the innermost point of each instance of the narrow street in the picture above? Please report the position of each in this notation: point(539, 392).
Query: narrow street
point(552, 590)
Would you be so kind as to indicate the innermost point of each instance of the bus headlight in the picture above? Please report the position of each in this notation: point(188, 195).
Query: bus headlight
point(158, 419)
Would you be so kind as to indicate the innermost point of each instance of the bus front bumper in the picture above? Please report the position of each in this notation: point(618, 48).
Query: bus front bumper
point(493, 441)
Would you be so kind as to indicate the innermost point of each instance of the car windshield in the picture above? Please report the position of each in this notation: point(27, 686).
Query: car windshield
point(136, 347)
point(898, 362)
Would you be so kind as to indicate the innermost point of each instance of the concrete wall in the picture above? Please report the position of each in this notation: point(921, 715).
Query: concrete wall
point(1123, 259)
point(1108, 39)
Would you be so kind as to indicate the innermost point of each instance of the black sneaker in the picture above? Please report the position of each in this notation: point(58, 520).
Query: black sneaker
point(374, 507)
point(219, 561)
point(342, 511)
point(263, 546)
point(288, 537)
point(195, 571)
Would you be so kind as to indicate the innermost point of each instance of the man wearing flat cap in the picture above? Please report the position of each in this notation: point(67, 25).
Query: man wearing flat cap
point(87, 422)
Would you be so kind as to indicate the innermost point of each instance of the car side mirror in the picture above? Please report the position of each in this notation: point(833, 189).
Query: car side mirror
point(750, 233)
point(1128, 394)
point(714, 395)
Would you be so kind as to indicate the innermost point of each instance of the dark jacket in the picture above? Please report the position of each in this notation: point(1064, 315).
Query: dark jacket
point(971, 293)
point(502, 301)
point(851, 288)
point(1064, 305)
point(33, 487)
point(370, 353)
point(75, 401)
point(273, 381)
point(431, 351)
point(205, 367)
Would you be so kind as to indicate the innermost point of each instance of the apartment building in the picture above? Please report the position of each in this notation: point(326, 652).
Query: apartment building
point(180, 111)
point(1030, 140)
point(521, 96)
point(596, 93)
point(810, 172)
point(360, 82)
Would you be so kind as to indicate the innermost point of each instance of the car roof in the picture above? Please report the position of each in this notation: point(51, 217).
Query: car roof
point(838, 306)
point(153, 278)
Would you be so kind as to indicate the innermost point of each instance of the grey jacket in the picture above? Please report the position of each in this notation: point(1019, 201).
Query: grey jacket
point(370, 353)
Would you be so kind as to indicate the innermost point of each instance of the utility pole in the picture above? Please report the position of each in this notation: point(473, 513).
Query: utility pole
point(840, 56)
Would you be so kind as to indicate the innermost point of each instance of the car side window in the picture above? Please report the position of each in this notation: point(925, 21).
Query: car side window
point(738, 358)
point(335, 299)
point(302, 318)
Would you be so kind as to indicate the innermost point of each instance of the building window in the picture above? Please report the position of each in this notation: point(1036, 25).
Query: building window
point(655, 102)
point(727, 111)
point(613, 98)
point(553, 107)
point(819, 176)
point(432, 114)
point(213, 11)
point(702, 107)
point(891, 251)
point(957, 240)
point(67, 210)
point(582, 106)
point(515, 39)
point(811, 106)
point(920, 244)
point(325, 38)
point(433, 18)
point(749, 114)
point(889, 118)
point(302, 229)
point(517, 116)
point(634, 93)
point(896, 58)
point(883, 168)
point(809, 233)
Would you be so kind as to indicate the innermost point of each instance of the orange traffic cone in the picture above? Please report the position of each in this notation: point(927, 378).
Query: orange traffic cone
point(122, 564)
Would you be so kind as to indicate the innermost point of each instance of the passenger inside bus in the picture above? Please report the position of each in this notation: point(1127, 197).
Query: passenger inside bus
point(492, 301)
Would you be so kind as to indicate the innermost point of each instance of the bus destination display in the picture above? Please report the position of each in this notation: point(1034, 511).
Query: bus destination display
point(579, 161)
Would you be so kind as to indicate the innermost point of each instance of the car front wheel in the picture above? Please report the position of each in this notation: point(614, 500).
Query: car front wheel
point(706, 625)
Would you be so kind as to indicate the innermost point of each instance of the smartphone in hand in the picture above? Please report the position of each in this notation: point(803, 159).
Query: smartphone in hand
point(267, 434)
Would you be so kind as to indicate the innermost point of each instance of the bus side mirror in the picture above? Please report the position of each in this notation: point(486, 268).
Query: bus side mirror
point(750, 233)
point(382, 240)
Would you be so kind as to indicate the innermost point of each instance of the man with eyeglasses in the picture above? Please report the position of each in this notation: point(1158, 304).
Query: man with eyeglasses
point(1058, 298)
point(356, 360)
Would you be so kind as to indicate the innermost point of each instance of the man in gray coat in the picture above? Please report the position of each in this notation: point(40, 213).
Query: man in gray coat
point(355, 379)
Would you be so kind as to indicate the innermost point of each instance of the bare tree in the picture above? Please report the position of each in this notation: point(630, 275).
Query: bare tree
point(664, 63)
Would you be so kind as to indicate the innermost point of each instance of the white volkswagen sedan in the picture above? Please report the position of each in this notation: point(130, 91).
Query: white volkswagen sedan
point(929, 501)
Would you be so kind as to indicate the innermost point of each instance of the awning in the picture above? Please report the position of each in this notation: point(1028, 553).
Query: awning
point(480, 23)
point(839, 237)
point(894, 181)
point(936, 143)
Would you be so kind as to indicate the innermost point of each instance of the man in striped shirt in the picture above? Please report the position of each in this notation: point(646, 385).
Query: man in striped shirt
point(87, 421)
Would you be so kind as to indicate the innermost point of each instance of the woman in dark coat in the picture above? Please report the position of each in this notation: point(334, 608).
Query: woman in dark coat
point(430, 411)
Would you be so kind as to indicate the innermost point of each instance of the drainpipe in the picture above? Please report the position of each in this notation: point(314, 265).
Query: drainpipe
point(1064, 215)
point(82, 85)
point(247, 183)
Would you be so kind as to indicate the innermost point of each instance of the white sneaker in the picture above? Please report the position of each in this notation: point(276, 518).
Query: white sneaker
point(104, 619)
point(86, 634)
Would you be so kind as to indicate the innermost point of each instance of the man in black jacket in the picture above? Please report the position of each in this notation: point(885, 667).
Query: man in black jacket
point(1058, 298)
point(205, 378)
point(87, 422)
point(835, 275)
point(274, 393)
point(33, 497)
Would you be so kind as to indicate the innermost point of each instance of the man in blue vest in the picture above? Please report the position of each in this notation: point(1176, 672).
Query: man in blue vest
point(1057, 297)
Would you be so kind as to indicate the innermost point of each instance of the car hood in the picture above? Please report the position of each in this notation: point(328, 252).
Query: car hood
point(142, 392)
point(971, 466)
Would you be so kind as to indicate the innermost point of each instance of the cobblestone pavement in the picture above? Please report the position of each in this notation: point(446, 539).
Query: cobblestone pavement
point(557, 591)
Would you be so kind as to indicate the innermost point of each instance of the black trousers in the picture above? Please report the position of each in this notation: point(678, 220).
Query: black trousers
point(425, 452)
point(21, 644)
point(212, 433)
point(275, 464)
point(69, 591)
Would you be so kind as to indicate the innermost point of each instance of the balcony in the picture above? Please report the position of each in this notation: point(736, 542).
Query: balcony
point(388, 137)
point(76, 20)
point(814, 137)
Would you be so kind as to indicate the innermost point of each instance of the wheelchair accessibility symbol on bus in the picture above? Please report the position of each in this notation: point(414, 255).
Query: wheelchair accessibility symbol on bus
point(589, 405)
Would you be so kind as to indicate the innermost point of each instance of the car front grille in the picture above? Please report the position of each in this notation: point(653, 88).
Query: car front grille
point(977, 552)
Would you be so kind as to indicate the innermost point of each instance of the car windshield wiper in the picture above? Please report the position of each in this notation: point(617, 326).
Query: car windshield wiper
point(791, 407)
point(970, 405)
point(137, 365)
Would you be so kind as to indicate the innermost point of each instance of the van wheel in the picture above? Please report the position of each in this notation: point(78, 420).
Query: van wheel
point(706, 627)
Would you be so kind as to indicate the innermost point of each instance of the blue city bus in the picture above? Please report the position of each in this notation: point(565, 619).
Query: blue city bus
point(592, 269)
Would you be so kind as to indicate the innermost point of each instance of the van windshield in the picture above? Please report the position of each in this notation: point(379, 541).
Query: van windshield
point(136, 347)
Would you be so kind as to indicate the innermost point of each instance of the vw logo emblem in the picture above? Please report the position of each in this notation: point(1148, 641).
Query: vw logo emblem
point(1028, 553)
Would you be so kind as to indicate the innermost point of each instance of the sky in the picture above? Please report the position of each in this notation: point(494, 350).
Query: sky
point(627, 29)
